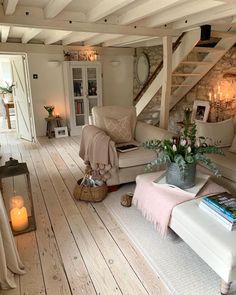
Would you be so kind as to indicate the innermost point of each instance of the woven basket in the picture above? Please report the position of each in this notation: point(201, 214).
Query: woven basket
point(90, 194)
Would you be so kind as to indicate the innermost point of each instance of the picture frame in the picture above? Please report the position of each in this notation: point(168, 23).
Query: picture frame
point(61, 132)
point(201, 109)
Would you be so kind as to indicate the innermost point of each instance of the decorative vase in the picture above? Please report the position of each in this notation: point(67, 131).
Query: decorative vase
point(174, 176)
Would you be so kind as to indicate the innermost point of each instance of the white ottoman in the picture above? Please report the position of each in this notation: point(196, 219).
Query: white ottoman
point(209, 239)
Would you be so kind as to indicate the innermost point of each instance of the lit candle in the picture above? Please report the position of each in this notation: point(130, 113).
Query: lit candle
point(18, 214)
point(19, 219)
point(215, 96)
point(57, 115)
point(210, 95)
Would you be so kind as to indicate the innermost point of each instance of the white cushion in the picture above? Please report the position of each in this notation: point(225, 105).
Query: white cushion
point(219, 133)
point(141, 156)
point(209, 239)
point(115, 112)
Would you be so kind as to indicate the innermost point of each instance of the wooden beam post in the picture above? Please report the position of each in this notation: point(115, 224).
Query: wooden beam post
point(166, 82)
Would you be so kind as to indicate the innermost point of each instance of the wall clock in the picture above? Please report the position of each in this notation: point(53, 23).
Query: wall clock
point(142, 68)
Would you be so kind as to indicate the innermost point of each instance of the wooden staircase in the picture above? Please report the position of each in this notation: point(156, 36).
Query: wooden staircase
point(190, 63)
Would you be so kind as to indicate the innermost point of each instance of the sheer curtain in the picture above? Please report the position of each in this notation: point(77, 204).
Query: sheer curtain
point(10, 262)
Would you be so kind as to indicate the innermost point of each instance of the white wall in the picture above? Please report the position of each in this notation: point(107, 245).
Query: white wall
point(48, 89)
point(117, 80)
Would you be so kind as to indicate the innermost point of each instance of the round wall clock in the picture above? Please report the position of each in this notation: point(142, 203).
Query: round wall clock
point(142, 68)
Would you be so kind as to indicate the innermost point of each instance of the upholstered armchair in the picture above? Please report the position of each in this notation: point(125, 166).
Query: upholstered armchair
point(115, 121)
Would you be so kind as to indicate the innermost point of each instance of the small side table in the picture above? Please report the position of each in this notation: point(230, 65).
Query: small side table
point(51, 121)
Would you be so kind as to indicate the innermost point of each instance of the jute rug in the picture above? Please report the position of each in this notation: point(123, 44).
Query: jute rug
point(180, 268)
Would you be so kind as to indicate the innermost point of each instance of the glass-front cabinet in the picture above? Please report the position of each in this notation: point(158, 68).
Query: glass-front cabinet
point(83, 92)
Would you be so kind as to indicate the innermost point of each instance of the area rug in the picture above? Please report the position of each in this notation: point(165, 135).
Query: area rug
point(183, 272)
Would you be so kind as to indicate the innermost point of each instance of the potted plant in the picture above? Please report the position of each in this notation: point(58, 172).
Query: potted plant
point(7, 90)
point(50, 110)
point(182, 153)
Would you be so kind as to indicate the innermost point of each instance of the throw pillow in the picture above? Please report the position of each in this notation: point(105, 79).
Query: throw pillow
point(119, 129)
point(232, 149)
point(220, 133)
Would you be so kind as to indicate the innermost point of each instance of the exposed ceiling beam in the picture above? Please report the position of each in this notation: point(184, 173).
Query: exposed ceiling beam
point(206, 17)
point(175, 13)
point(55, 36)
point(30, 34)
point(48, 24)
point(100, 39)
point(4, 33)
point(77, 37)
point(106, 7)
point(123, 40)
point(146, 9)
point(9, 6)
point(54, 7)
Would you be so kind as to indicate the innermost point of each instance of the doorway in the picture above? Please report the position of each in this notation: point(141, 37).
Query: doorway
point(16, 113)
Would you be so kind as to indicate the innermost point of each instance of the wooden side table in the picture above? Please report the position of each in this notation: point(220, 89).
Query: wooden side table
point(8, 105)
point(51, 122)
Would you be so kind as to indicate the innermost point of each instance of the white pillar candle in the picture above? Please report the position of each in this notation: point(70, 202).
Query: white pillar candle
point(19, 218)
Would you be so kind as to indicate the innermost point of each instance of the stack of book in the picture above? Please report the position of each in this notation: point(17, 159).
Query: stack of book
point(221, 207)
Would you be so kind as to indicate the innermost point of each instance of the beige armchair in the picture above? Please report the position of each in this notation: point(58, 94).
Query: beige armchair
point(132, 163)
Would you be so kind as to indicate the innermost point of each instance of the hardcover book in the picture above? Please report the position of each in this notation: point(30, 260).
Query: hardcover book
point(225, 202)
point(217, 216)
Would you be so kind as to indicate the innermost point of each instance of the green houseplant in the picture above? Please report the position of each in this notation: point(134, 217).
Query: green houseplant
point(182, 153)
point(7, 88)
point(50, 110)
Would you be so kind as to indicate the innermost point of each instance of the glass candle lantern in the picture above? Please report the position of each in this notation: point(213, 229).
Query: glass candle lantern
point(21, 210)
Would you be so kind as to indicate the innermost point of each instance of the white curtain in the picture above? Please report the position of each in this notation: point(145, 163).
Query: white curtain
point(10, 262)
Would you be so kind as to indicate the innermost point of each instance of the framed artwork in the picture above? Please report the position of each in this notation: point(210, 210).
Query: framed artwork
point(61, 132)
point(201, 110)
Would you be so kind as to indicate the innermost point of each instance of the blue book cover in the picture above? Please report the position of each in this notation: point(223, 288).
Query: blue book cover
point(224, 202)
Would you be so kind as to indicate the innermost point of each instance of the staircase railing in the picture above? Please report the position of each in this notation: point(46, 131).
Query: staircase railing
point(157, 70)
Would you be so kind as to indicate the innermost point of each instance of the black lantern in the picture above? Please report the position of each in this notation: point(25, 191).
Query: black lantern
point(22, 218)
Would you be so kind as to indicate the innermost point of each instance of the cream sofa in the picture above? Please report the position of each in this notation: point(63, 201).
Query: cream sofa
point(130, 164)
point(221, 134)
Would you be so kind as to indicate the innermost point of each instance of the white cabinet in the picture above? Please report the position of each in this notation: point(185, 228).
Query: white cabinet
point(83, 91)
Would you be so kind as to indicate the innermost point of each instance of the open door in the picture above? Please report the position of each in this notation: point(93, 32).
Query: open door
point(21, 94)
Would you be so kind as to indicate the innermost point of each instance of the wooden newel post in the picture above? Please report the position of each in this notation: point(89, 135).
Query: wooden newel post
point(166, 82)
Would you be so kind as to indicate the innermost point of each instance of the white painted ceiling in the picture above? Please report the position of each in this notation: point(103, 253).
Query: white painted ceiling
point(125, 23)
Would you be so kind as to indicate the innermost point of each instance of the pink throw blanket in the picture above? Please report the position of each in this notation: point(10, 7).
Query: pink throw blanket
point(156, 202)
point(98, 150)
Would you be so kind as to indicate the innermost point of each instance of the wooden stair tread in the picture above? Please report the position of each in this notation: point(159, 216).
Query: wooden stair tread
point(185, 74)
point(208, 49)
point(195, 62)
point(219, 34)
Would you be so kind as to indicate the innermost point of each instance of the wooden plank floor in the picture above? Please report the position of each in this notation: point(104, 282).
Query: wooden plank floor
point(78, 248)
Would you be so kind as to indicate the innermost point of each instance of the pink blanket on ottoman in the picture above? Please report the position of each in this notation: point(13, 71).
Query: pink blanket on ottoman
point(156, 202)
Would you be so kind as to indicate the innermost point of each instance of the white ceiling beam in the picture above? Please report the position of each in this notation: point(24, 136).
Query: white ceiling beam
point(206, 17)
point(9, 6)
point(106, 7)
point(123, 40)
point(4, 33)
point(77, 37)
point(100, 39)
point(30, 34)
point(55, 36)
point(178, 12)
point(49, 24)
point(54, 7)
point(146, 9)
